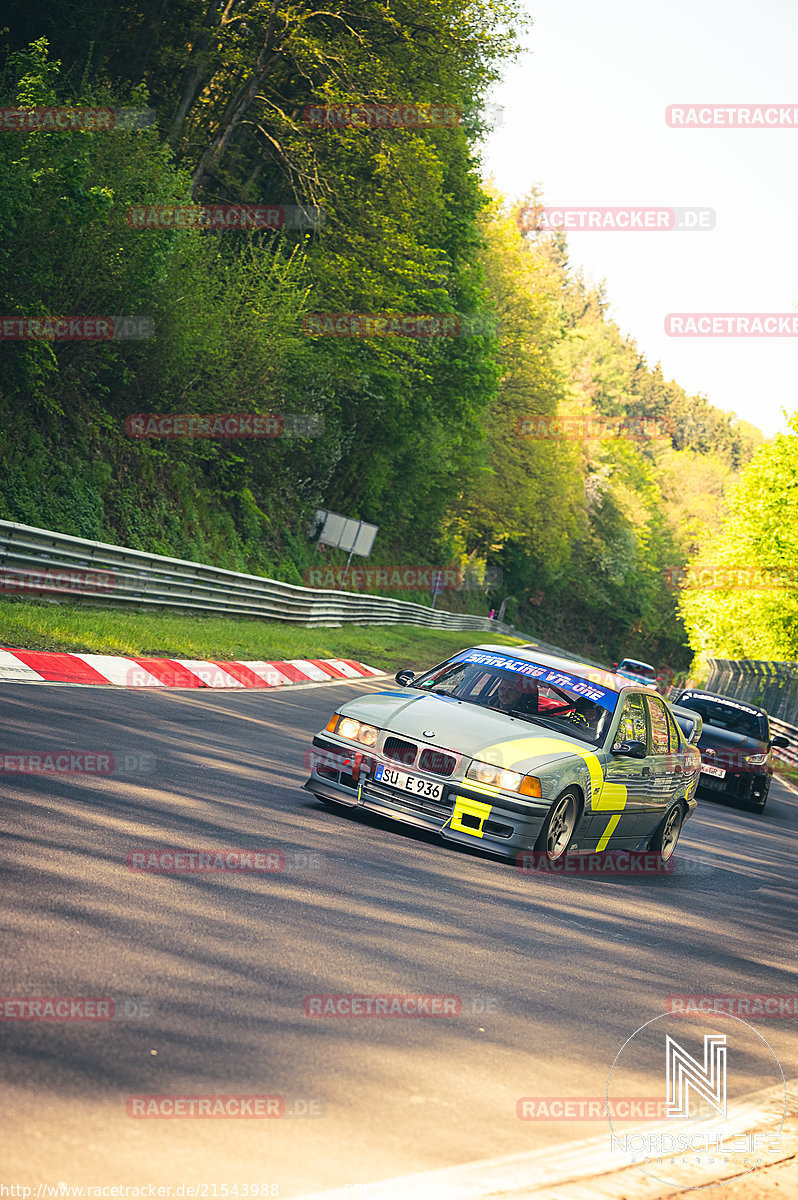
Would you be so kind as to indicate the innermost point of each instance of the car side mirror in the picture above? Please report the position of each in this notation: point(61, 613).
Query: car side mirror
point(780, 740)
point(695, 735)
point(631, 749)
point(405, 677)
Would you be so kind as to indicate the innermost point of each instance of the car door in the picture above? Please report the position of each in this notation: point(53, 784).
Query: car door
point(688, 761)
point(622, 809)
point(666, 759)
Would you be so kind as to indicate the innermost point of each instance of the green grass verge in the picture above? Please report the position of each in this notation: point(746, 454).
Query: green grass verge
point(27, 625)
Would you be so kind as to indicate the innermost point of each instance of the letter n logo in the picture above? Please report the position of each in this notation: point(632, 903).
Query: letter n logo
point(683, 1072)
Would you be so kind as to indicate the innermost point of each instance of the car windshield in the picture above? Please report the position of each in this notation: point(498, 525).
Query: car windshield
point(555, 700)
point(638, 668)
point(729, 716)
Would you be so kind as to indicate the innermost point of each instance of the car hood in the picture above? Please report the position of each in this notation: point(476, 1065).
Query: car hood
point(465, 728)
point(723, 739)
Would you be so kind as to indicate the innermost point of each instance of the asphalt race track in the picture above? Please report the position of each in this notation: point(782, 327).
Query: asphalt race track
point(209, 972)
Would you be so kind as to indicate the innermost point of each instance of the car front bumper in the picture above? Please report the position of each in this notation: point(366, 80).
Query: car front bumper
point(745, 786)
point(462, 814)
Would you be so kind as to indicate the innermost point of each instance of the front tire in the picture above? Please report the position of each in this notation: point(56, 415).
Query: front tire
point(666, 835)
point(558, 828)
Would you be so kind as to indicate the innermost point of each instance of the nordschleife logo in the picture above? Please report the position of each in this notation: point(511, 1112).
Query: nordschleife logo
point(722, 1090)
point(684, 1072)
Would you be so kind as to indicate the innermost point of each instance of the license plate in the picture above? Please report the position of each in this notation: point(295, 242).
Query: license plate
point(718, 772)
point(409, 783)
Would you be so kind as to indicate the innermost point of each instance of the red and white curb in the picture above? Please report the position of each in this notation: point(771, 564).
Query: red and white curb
point(44, 666)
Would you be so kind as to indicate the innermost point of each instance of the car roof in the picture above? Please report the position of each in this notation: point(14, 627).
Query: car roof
point(745, 705)
point(637, 662)
point(607, 679)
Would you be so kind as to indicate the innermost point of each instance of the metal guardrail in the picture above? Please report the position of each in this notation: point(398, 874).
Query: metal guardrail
point(770, 685)
point(57, 565)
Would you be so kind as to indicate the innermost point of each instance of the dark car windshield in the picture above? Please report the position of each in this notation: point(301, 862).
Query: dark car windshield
point(556, 700)
point(728, 716)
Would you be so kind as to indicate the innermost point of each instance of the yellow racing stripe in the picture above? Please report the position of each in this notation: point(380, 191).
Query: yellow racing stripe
point(603, 795)
point(607, 834)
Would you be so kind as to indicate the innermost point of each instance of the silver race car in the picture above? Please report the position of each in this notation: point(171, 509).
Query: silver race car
point(514, 751)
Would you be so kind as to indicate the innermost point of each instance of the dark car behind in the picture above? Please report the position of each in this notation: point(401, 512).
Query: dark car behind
point(736, 746)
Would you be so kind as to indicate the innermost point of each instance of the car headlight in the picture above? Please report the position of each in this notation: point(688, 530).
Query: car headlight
point(510, 781)
point(756, 760)
point(352, 730)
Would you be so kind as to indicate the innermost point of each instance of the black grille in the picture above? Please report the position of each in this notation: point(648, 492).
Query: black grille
point(437, 763)
point(739, 787)
point(399, 751)
point(498, 829)
point(437, 810)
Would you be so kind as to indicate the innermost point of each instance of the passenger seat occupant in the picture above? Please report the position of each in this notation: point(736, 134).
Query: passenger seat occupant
point(515, 694)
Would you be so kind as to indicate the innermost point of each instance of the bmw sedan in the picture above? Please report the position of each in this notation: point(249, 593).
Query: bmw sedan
point(512, 751)
point(736, 747)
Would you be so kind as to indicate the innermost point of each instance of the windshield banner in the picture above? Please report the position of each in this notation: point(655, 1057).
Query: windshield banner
point(720, 700)
point(605, 697)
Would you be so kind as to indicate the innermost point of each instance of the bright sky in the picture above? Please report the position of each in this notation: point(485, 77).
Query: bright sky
point(584, 117)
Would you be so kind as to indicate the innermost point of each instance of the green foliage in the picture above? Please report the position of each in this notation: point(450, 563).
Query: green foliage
point(420, 434)
point(590, 531)
point(401, 416)
point(740, 598)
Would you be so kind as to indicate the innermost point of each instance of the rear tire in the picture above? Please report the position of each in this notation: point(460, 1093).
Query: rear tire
point(665, 837)
point(558, 828)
